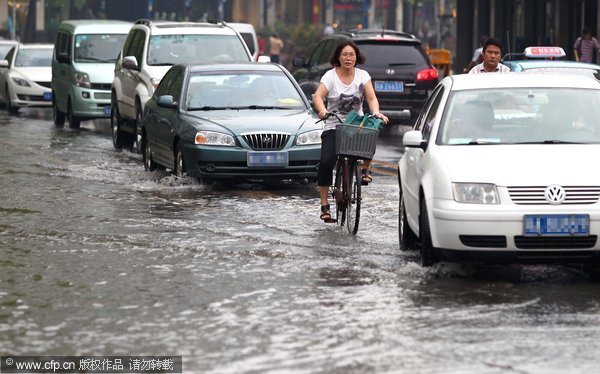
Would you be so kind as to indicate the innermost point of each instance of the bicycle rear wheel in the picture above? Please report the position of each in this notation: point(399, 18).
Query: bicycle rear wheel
point(338, 192)
point(353, 197)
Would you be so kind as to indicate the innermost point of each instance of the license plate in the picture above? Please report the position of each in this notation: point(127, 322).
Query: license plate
point(389, 86)
point(267, 159)
point(107, 111)
point(556, 225)
point(47, 96)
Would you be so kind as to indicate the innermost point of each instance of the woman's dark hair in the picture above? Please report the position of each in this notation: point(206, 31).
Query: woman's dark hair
point(335, 56)
point(492, 41)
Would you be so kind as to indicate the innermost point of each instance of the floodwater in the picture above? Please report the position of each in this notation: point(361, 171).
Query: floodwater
point(99, 257)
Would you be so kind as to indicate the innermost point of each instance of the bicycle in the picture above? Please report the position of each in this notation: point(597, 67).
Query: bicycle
point(353, 144)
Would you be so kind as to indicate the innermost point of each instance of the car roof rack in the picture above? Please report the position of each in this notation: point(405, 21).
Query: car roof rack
point(143, 21)
point(380, 32)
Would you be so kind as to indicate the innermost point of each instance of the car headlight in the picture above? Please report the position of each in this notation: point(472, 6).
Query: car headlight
point(82, 80)
point(20, 82)
point(475, 193)
point(309, 138)
point(214, 138)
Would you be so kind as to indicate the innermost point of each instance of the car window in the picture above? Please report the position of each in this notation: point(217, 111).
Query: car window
point(34, 57)
point(172, 49)
point(533, 115)
point(128, 43)
point(431, 112)
point(328, 51)
point(242, 89)
point(249, 40)
point(164, 84)
point(176, 86)
point(98, 47)
point(314, 57)
point(4, 49)
point(138, 45)
point(387, 54)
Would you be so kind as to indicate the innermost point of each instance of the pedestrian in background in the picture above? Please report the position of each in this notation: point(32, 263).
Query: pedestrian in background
point(275, 47)
point(492, 53)
point(585, 46)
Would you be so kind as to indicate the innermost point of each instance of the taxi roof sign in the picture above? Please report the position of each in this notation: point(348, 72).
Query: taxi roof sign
point(545, 52)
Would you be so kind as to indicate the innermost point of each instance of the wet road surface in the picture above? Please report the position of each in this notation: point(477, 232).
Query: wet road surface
point(99, 257)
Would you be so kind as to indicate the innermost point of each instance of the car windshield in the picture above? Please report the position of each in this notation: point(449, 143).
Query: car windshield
point(242, 90)
point(193, 49)
point(34, 57)
point(521, 116)
point(98, 47)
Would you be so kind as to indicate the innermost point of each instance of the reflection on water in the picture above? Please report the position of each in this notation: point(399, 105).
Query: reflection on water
point(98, 256)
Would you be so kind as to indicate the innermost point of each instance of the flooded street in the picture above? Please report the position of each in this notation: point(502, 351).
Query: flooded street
point(99, 257)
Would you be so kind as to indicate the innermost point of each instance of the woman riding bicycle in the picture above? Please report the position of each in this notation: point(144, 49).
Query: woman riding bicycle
point(345, 87)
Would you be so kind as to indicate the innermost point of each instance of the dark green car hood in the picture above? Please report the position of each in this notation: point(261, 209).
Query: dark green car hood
point(253, 120)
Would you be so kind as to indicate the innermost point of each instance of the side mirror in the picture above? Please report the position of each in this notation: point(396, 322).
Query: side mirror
point(63, 58)
point(166, 101)
point(264, 58)
point(130, 62)
point(414, 139)
point(3, 63)
point(298, 62)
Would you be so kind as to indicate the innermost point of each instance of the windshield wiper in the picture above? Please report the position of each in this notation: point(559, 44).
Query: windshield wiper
point(481, 142)
point(95, 59)
point(208, 107)
point(162, 64)
point(549, 142)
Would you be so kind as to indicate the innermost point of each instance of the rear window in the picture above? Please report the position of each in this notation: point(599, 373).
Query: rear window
point(385, 54)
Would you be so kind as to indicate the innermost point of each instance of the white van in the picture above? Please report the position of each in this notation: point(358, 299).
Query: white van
point(248, 33)
point(83, 66)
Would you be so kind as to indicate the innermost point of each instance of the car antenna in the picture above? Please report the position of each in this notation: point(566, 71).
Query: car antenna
point(508, 44)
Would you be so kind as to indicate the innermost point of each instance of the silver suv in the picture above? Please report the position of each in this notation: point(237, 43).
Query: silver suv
point(150, 49)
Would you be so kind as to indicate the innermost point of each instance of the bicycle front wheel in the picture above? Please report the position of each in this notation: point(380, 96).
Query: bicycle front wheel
point(353, 197)
point(338, 193)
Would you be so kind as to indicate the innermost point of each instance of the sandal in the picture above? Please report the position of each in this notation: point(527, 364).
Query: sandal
point(366, 177)
point(325, 214)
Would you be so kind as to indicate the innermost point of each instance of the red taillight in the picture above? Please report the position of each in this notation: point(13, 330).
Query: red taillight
point(427, 75)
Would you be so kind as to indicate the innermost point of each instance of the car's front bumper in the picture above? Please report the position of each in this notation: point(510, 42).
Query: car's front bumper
point(28, 96)
point(91, 103)
point(232, 162)
point(471, 228)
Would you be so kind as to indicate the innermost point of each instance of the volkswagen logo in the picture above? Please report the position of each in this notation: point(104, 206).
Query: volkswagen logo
point(390, 71)
point(555, 194)
point(266, 139)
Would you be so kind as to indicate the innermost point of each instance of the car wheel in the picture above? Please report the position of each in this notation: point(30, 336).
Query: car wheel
point(74, 121)
point(118, 136)
point(138, 134)
point(9, 107)
point(149, 164)
point(429, 255)
point(57, 115)
point(406, 237)
point(179, 167)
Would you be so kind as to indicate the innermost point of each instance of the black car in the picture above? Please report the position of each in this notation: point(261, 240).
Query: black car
point(401, 72)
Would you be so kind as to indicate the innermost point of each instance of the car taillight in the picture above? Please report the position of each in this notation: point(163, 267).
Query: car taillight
point(427, 75)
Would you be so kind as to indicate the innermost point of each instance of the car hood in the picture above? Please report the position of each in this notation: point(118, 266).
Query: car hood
point(247, 120)
point(35, 74)
point(522, 165)
point(98, 73)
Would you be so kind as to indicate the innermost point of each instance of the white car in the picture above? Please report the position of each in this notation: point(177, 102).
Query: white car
point(500, 167)
point(25, 77)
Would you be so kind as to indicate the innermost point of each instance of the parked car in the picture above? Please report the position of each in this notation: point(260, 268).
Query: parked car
point(231, 121)
point(151, 48)
point(83, 63)
point(248, 33)
point(400, 70)
point(25, 77)
point(541, 59)
point(496, 169)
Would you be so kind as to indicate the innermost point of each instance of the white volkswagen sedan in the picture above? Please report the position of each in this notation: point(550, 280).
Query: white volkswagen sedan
point(500, 167)
point(25, 77)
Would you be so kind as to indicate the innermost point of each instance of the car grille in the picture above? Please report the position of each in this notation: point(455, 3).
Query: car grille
point(44, 84)
point(101, 86)
point(31, 98)
point(266, 141)
point(485, 241)
point(556, 242)
point(102, 95)
point(535, 195)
